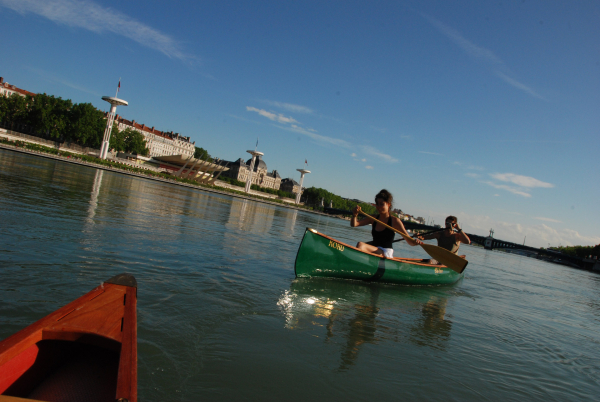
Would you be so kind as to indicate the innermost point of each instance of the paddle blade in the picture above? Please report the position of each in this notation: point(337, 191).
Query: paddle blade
point(447, 258)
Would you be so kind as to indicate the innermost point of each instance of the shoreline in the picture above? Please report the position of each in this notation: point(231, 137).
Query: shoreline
point(159, 179)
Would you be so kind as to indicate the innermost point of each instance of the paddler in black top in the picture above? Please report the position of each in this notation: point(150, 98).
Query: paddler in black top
point(382, 236)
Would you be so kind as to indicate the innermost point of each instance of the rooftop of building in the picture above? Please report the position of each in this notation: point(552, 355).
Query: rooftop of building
point(4, 84)
point(290, 180)
point(165, 134)
point(257, 165)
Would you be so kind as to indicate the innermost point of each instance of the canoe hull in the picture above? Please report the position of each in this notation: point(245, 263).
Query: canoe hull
point(322, 256)
point(86, 350)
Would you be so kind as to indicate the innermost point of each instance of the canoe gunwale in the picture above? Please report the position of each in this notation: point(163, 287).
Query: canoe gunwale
point(112, 327)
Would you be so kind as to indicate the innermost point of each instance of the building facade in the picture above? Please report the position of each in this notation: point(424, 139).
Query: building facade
point(160, 143)
point(240, 170)
point(290, 186)
point(7, 90)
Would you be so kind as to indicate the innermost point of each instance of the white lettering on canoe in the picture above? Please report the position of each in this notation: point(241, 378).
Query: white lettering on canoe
point(439, 270)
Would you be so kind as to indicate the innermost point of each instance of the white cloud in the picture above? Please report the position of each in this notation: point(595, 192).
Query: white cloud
point(477, 52)
point(530, 141)
point(405, 137)
point(353, 155)
point(318, 137)
point(290, 107)
point(523, 181)
point(547, 219)
point(496, 195)
point(374, 152)
point(52, 77)
point(470, 167)
point(368, 167)
point(481, 54)
point(88, 15)
point(309, 132)
point(473, 175)
point(363, 160)
point(430, 153)
point(279, 118)
point(382, 130)
point(537, 235)
point(519, 85)
point(508, 188)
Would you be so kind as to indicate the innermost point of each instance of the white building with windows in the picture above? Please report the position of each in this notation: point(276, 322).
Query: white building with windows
point(7, 90)
point(160, 143)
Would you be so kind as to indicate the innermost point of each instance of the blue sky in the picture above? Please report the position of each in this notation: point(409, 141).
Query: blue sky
point(485, 110)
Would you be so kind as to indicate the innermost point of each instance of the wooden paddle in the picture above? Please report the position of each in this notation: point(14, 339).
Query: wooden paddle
point(444, 256)
point(422, 234)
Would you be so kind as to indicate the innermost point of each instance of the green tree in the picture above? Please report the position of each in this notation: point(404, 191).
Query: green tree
point(579, 251)
point(128, 140)
point(86, 125)
point(135, 142)
point(14, 109)
point(49, 115)
point(117, 139)
point(3, 107)
point(312, 196)
point(203, 154)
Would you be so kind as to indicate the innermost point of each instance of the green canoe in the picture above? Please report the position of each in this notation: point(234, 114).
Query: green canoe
point(321, 255)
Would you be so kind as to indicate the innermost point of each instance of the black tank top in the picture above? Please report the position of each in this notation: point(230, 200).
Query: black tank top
point(385, 237)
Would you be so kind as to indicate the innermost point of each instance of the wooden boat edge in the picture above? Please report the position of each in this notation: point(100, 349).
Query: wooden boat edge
point(29, 336)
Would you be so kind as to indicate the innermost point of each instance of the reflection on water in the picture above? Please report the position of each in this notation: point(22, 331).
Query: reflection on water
point(432, 329)
point(291, 223)
point(94, 197)
point(360, 313)
point(250, 216)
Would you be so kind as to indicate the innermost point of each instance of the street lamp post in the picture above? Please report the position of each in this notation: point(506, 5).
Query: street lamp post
point(302, 172)
point(114, 102)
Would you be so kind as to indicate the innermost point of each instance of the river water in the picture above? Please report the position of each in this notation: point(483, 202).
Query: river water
point(222, 317)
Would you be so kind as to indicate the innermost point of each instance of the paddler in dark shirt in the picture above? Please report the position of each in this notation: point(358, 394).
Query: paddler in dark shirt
point(382, 236)
point(448, 238)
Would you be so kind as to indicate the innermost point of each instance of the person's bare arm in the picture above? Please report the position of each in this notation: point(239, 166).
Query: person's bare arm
point(461, 235)
point(397, 224)
point(354, 220)
point(429, 236)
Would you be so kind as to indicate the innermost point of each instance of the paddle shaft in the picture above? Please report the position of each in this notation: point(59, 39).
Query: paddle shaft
point(422, 234)
point(402, 239)
point(406, 237)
